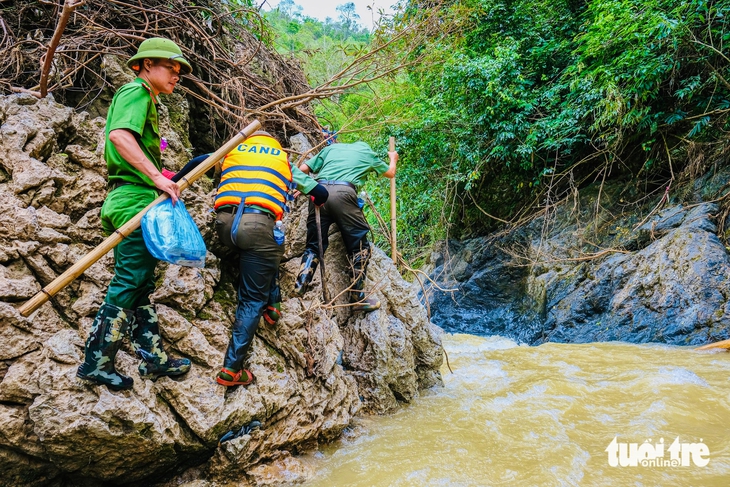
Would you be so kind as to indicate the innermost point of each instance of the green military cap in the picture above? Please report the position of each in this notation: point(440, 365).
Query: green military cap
point(160, 48)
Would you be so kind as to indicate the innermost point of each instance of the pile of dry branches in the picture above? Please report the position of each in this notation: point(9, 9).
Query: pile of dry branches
point(234, 71)
point(236, 76)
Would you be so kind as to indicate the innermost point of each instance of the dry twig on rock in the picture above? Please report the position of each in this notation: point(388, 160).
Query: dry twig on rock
point(236, 77)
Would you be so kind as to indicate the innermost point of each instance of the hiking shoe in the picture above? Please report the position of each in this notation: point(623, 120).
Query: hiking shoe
point(230, 378)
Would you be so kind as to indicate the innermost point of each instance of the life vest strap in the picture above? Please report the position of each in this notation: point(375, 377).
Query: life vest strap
point(248, 194)
point(284, 193)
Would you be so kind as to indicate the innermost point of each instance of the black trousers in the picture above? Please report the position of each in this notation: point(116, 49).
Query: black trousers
point(342, 210)
point(259, 258)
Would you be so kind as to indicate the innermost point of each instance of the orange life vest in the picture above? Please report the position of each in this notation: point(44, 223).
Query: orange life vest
point(256, 173)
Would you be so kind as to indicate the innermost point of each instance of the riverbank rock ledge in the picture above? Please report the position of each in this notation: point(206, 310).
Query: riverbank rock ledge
point(644, 276)
point(314, 371)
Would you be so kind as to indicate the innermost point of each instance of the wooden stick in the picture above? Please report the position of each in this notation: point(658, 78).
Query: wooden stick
point(320, 253)
point(393, 239)
point(711, 346)
point(113, 240)
point(68, 7)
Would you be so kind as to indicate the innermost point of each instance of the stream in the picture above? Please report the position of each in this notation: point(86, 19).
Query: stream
point(514, 415)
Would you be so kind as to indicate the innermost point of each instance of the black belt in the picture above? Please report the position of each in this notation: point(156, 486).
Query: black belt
point(232, 209)
point(337, 183)
point(112, 186)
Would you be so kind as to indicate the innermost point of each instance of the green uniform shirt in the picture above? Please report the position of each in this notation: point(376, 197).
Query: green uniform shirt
point(304, 182)
point(133, 108)
point(346, 162)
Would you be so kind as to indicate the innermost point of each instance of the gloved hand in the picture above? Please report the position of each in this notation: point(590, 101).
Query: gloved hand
point(319, 195)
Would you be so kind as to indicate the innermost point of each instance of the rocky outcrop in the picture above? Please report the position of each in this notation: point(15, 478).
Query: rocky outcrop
point(589, 278)
point(314, 371)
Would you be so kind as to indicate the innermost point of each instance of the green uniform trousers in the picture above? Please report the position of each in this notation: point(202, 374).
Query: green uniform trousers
point(134, 266)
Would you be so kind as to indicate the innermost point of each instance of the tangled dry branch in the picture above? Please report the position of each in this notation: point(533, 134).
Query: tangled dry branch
point(233, 70)
point(236, 75)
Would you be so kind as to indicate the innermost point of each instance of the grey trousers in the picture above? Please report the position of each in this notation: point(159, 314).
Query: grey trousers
point(259, 258)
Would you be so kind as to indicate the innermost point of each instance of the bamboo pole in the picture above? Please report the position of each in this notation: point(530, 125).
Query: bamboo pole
point(712, 346)
point(393, 238)
point(320, 253)
point(113, 240)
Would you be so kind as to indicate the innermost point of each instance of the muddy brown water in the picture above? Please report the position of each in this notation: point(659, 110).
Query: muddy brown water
point(548, 416)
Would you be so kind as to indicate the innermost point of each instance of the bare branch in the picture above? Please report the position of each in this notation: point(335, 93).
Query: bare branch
point(68, 7)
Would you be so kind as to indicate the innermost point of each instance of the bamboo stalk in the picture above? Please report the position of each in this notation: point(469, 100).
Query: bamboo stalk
point(711, 346)
point(320, 253)
point(393, 239)
point(113, 240)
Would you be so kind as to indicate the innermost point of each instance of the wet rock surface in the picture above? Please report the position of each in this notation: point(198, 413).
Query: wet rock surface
point(317, 369)
point(660, 280)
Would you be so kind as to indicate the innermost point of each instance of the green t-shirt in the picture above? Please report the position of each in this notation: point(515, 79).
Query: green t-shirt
point(133, 108)
point(304, 182)
point(346, 162)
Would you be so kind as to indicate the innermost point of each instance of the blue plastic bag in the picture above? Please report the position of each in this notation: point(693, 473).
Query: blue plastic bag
point(170, 234)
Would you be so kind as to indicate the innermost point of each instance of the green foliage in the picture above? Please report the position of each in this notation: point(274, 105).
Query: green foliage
point(322, 48)
point(513, 94)
point(243, 13)
point(521, 91)
point(300, 36)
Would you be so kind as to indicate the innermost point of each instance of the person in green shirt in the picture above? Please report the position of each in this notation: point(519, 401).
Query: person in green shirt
point(133, 157)
point(341, 168)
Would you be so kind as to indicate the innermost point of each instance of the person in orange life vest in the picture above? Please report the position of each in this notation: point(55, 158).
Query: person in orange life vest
point(256, 178)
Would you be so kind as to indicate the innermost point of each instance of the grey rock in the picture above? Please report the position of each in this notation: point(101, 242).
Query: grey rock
point(85, 157)
point(668, 286)
point(49, 218)
point(16, 289)
point(56, 428)
point(116, 71)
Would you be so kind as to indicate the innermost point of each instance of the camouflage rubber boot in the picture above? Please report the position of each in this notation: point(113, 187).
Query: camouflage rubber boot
point(357, 294)
point(147, 344)
point(306, 272)
point(102, 345)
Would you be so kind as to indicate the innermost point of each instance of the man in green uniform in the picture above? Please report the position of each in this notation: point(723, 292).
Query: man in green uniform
point(341, 168)
point(133, 157)
point(255, 181)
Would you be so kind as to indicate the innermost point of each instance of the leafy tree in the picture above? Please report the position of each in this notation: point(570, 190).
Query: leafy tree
point(511, 94)
point(522, 92)
point(289, 9)
point(348, 16)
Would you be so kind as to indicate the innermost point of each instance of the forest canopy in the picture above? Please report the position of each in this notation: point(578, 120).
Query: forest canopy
point(512, 97)
point(498, 106)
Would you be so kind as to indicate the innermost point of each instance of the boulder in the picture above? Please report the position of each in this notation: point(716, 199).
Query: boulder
point(662, 280)
point(315, 371)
